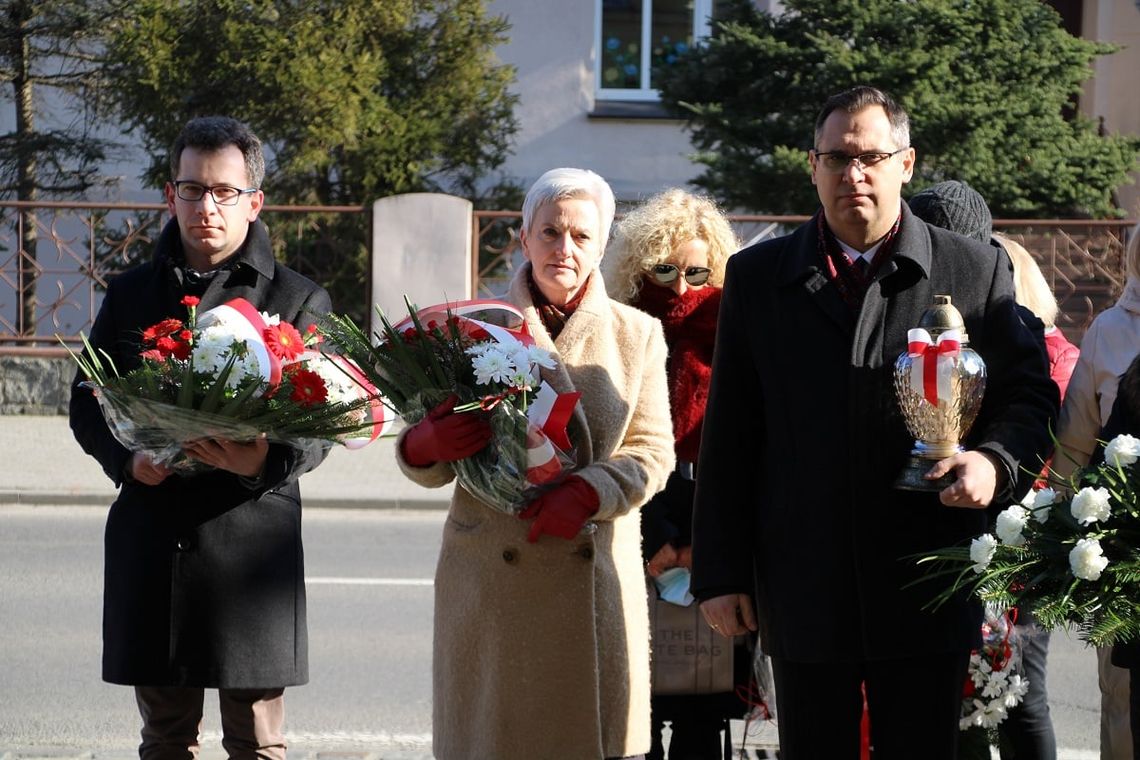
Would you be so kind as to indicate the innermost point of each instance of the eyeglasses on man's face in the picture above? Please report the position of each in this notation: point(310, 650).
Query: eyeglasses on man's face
point(666, 274)
point(223, 195)
point(836, 161)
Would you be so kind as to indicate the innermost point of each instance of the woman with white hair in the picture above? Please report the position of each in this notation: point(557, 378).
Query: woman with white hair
point(541, 646)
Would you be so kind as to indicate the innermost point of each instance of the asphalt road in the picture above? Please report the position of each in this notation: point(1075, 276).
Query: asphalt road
point(370, 615)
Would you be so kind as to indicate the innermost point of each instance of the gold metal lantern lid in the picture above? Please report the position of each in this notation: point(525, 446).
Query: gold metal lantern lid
point(942, 316)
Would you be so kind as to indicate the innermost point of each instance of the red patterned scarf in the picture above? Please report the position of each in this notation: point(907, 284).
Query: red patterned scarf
point(850, 279)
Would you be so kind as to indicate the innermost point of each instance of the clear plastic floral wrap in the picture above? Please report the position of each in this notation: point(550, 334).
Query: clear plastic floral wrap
point(235, 374)
point(493, 369)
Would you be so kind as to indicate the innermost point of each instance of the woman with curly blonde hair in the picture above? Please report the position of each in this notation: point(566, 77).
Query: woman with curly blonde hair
point(648, 236)
point(667, 259)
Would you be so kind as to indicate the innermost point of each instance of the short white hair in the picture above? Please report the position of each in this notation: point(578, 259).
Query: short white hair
point(565, 183)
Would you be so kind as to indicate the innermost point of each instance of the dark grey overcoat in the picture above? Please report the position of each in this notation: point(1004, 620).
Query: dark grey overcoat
point(204, 581)
point(803, 438)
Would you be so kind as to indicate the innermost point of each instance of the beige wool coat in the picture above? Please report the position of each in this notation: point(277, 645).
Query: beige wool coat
point(541, 650)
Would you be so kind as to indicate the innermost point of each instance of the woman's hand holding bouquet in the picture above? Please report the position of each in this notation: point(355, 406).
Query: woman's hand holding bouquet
point(471, 389)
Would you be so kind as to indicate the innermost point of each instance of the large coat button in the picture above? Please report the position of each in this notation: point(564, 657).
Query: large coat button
point(183, 544)
point(510, 556)
point(585, 551)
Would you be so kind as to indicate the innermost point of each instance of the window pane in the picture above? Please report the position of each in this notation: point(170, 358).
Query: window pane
point(621, 44)
point(672, 30)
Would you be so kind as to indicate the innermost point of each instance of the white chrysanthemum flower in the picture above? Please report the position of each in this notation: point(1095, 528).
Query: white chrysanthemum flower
point(341, 388)
point(492, 366)
point(541, 357)
point(1087, 560)
point(1043, 502)
point(974, 717)
point(523, 367)
point(982, 551)
point(1091, 505)
point(1016, 690)
point(994, 713)
point(1009, 525)
point(214, 347)
point(1122, 450)
point(995, 686)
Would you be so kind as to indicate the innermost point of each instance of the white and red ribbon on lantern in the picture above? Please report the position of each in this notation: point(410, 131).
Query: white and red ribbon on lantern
point(241, 319)
point(932, 363)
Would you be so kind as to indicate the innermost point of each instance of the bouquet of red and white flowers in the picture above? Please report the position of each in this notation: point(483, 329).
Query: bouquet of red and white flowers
point(481, 352)
point(235, 373)
point(994, 684)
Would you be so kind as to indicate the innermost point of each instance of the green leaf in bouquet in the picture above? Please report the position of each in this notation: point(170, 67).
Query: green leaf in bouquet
point(185, 399)
point(240, 399)
point(216, 393)
point(89, 362)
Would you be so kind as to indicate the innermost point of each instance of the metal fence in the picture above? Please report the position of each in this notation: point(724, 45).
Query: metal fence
point(56, 259)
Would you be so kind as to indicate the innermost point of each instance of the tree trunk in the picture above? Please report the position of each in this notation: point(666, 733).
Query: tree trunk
point(20, 14)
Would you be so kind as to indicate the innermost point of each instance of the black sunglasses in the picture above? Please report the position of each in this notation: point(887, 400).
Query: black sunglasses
point(666, 274)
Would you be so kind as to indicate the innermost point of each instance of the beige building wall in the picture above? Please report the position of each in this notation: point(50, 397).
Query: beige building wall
point(1112, 94)
point(552, 47)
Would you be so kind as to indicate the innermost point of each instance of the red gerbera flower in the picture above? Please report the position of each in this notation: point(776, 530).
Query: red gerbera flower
point(308, 388)
point(284, 341)
point(162, 329)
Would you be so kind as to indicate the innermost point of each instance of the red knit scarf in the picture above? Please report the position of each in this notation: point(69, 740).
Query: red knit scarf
point(690, 330)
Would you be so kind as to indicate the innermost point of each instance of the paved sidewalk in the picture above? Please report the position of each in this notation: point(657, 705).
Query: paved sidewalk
point(44, 465)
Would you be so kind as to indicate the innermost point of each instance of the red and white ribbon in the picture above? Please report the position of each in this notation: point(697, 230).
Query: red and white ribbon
point(472, 327)
point(932, 365)
point(549, 414)
point(241, 319)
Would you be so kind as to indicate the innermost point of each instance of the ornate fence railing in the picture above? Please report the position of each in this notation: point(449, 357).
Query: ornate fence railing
point(1083, 260)
point(57, 257)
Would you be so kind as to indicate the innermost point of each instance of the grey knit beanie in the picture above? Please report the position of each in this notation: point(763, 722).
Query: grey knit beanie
point(954, 206)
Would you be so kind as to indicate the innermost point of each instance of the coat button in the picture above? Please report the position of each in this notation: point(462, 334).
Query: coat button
point(510, 556)
point(183, 544)
point(585, 551)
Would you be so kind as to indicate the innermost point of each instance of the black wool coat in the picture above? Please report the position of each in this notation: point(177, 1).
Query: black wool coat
point(803, 438)
point(204, 581)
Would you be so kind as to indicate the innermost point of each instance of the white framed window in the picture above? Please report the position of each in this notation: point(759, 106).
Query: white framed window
point(635, 37)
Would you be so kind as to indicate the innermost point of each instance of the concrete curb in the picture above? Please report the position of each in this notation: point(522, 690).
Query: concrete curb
point(61, 499)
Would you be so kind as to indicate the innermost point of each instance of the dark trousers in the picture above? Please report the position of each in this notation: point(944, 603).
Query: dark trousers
point(252, 722)
point(1027, 732)
point(914, 705)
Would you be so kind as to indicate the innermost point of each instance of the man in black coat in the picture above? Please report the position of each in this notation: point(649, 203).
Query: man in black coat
point(204, 583)
point(803, 440)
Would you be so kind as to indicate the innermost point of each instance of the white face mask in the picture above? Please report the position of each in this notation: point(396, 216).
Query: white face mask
point(673, 586)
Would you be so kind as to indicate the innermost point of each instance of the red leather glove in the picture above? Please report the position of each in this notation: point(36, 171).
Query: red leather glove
point(562, 511)
point(445, 437)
